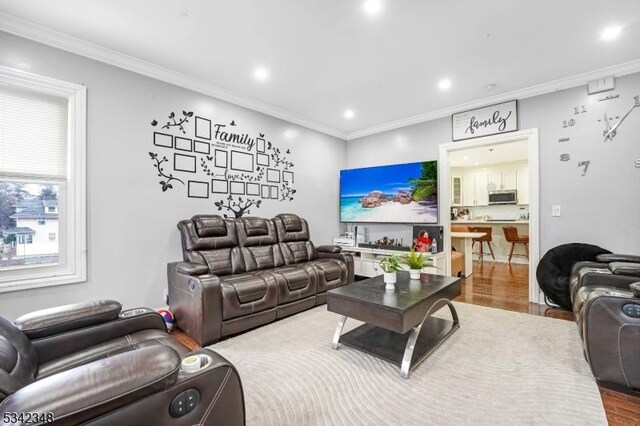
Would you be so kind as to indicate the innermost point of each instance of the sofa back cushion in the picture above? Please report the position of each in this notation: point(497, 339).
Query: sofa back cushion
point(18, 360)
point(293, 236)
point(213, 241)
point(258, 243)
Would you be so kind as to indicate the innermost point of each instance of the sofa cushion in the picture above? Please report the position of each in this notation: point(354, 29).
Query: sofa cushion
point(291, 228)
point(210, 226)
point(298, 251)
point(330, 268)
point(256, 231)
point(222, 261)
point(295, 278)
point(246, 294)
point(248, 288)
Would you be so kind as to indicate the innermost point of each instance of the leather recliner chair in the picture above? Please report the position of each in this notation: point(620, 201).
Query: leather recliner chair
point(91, 363)
point(606, 306)
point(238, 274)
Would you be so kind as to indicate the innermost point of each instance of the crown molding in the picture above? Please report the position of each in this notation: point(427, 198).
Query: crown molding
point(59, 40)
point(527, 92)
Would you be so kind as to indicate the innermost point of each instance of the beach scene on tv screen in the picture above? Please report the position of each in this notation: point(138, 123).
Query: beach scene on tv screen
point(405, 193)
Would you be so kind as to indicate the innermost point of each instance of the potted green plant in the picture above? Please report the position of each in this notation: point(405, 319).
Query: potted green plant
point(390, 265)
point(415, 261)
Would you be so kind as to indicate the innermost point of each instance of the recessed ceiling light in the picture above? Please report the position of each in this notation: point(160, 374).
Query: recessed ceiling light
point(261, 74)
point(349, 114)
point(476, 164)
point(466, 157)
point(372, 7)
point(444, 84)
point(611, 33)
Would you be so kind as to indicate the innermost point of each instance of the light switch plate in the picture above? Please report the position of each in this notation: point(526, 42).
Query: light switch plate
point(556, 211)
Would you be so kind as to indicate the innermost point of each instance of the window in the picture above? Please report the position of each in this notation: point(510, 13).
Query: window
point(42, 181)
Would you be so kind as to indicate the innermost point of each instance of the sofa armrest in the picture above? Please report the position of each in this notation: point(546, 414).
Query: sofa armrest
point(91, 390)
point(329, 249)
point(614, 257)
point(624, 268)
point(60, 319)
point(196, 303)
point(192, 268)
point(52, 347)
point(345, 257)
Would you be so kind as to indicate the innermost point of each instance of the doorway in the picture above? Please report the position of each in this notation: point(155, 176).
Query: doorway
point(479, 180)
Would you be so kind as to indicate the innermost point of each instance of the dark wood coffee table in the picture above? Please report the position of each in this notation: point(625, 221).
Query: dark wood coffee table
point(399, 325)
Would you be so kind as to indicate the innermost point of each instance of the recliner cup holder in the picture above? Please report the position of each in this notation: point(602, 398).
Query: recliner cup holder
point(135, 312)
point(195, 363)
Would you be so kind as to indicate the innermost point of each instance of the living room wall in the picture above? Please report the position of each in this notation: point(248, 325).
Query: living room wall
point(600, 207)
point(131, 223)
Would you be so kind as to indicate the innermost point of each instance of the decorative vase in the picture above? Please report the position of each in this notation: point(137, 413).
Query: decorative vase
point(414, 274)
point(390, 280)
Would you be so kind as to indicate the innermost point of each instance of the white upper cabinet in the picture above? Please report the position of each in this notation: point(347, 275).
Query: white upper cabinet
point(478, 182)
point(523, 185)
point(475, 190)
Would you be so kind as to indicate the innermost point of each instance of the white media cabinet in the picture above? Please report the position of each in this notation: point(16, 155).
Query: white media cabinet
point(366, 261)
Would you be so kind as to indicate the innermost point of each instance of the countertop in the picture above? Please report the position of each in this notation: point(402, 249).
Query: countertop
point(489, 222)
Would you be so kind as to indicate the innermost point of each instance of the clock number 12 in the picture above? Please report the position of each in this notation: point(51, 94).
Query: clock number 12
point(579, 110)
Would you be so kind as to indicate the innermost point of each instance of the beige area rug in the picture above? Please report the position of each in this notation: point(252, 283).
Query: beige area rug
point(500, 367)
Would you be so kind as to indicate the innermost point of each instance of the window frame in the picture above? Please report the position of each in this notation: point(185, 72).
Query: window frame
point(72, 264)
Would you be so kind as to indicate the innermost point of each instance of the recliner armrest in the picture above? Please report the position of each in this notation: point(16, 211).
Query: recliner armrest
point(624, 268)
point(329, 249)
point(89, 391)
point(60, 319)
point(192, 268)
point(614, 257)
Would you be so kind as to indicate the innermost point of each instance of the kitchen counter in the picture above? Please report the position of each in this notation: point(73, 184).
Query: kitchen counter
point(489, 222)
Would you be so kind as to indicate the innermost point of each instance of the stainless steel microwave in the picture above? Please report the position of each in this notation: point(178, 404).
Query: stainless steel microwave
point(509, 196)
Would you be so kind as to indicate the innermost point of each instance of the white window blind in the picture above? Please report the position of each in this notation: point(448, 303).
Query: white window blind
point(33, 134)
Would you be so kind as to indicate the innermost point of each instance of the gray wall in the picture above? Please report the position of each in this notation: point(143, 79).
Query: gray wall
point(602, 207)
point(131, 224)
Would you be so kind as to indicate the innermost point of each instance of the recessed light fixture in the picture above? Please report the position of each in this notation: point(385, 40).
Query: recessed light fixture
point(261, 74)
point(476, 164)
point(611, 33)
point(444, 84)
point(349, 114)
point(466, 157)
point(372, 7)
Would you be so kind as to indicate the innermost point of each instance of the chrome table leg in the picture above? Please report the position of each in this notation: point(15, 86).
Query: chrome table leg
point(336, 336)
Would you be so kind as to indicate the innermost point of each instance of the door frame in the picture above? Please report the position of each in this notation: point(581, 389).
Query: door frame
point(444, 189)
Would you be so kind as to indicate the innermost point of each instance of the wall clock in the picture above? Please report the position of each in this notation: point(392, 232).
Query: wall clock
point(610, 132)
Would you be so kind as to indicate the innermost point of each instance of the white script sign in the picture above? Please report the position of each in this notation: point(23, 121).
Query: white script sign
point(491, 120)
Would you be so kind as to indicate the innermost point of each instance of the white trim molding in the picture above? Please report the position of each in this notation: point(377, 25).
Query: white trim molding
point(444, 189)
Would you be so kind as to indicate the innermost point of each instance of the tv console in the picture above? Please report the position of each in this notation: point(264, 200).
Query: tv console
point(366, 259)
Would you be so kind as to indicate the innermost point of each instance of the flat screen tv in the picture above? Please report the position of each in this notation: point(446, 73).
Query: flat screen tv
point(400, 193)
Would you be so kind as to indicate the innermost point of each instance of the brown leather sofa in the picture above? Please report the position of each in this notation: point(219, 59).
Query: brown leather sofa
point(238, 274)
point(606, 305)
point(91, 363)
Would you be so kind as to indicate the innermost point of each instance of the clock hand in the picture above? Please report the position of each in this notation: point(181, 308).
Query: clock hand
point(613, 129)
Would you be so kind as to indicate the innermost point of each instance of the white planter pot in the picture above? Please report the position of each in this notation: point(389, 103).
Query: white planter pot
point(390, 279)
point(414, 274)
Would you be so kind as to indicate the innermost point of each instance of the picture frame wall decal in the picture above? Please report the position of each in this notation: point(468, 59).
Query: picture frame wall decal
point(197, 189)
point(202, 147)
point(253, 189)
point(236, 188)
point(183, 144)
point(273, 175)
point(265, 191)
point(219, 186)
point(263, 160)
point(242, 161)
point(162, 139)
point(184, 163)
point(203, 128)
point(221, 159)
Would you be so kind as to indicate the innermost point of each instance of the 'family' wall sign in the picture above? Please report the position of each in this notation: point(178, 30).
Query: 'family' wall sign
point(491, 120)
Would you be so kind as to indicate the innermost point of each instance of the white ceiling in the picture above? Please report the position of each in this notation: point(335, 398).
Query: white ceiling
point(490, 155)
point(325, 56)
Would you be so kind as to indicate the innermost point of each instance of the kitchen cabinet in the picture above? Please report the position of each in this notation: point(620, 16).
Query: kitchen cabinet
point(456, 190)
point(502, 178)
point(523, 185)
point(475, 190)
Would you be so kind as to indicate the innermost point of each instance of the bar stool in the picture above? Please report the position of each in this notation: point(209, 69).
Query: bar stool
point(511, 235)
point(485, 239)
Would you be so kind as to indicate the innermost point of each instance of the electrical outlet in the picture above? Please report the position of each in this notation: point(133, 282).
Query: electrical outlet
point(165, 296)
point(556, 211)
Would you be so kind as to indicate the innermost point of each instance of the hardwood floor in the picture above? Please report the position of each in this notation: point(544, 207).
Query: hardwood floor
point(504, 286)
